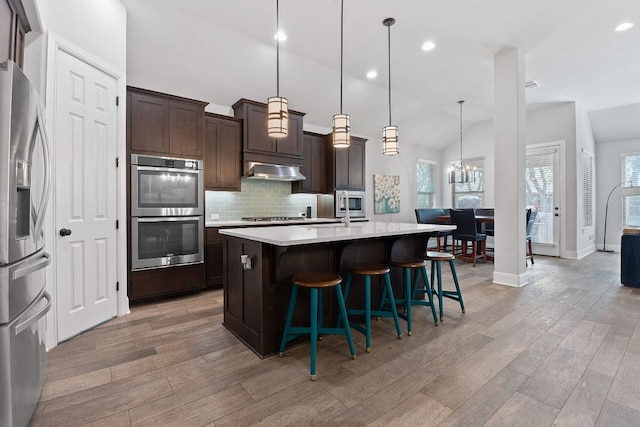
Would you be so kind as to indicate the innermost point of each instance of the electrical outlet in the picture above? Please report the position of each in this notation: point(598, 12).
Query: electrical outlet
point(214, 217)
point(590, 236)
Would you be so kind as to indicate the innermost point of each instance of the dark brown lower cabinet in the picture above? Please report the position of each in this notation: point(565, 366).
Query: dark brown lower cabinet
point(158, 282)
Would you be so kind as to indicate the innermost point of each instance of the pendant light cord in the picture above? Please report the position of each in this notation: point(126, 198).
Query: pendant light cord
point(460, 102)
point(389, 51)
point(277, 48)
point(341, 47)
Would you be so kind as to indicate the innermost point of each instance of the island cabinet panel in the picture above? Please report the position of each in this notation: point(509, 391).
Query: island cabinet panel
point(164, 124)
point(258, 146)
point(314, 166)
point(346, 166)
point(256, 300)
point(223, 153)
point(213, 253)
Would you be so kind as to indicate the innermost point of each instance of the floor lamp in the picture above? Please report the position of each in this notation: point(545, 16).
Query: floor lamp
point(606, 212)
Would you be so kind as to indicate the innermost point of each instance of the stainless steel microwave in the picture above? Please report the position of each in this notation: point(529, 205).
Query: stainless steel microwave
point(163, 186)
point(355, 200)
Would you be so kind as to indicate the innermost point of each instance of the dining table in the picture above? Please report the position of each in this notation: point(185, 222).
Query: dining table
point(481, 223)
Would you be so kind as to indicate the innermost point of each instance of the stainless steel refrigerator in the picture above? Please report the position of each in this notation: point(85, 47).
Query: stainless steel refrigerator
point(25, 177)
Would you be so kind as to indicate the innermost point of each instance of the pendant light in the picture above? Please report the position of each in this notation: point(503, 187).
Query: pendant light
point(341, 122)
point(277, 106)
point(461, 173)
point(389, 133)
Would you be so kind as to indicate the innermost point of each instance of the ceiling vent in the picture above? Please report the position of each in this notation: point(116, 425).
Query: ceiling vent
point(531, 84)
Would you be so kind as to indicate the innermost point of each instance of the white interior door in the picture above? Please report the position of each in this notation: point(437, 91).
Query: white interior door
point(543, 194)
point(85, 199)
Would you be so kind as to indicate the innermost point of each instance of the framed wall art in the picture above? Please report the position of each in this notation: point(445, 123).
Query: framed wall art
point(386, 194)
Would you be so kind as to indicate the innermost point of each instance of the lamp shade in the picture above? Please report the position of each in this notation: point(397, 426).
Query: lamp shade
point(341, 130)
point(390, 140)
point(278, 117)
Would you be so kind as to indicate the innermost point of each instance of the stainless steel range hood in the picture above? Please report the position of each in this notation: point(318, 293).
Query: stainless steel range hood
point(275, 172)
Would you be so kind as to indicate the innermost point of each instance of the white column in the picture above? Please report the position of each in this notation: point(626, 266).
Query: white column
point(510, 154)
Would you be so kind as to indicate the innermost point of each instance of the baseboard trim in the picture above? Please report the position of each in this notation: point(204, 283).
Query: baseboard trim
point(508, 279)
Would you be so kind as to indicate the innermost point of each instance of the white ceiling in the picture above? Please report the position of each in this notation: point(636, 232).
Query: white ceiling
point(222, 50)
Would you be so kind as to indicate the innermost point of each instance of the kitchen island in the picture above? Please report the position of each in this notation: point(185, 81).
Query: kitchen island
point(260, 261)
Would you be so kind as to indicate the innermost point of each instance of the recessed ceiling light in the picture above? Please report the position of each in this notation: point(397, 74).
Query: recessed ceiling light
point(372, 74)
point(428, 45)
point(624, 26)
point(281, 36)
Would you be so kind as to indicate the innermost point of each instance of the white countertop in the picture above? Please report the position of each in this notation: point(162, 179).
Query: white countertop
point(321, 233)
point(244, 223)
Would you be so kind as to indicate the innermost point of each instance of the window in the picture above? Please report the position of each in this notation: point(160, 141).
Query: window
point(631, 196)
point(587, 190)
point(426, 184)
point(470, 194)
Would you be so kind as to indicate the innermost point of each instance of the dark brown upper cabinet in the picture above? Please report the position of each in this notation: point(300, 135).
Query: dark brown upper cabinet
point(222, 153)
point(314, 165)
point(165, 124)
point(258, 146)
point(346, 166)
point(13, 26)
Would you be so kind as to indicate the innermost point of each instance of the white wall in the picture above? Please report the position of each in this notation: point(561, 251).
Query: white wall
point(402, 165)
point(477, 141)
point(98, 27)
point(608, 176)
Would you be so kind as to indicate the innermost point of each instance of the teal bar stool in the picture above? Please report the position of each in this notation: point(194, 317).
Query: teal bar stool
point(367, 270)
point(410, 265)
point(315, 282)
point(436, 259)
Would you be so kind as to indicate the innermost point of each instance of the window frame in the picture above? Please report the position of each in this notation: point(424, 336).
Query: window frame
point(628, 191)
point(434, 193)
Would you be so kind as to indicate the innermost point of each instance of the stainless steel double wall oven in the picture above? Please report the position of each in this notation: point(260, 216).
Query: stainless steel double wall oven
point(167, 212)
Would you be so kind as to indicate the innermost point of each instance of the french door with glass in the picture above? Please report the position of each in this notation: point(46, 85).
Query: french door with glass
point(543, 194)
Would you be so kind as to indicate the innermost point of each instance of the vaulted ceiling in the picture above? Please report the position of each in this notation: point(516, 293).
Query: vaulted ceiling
point(222, 50)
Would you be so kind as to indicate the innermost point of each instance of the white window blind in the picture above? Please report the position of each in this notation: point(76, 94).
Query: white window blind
point(470, 194)
point(541, 188)
point(426, 184)
point(631, 189)
point(587, 190)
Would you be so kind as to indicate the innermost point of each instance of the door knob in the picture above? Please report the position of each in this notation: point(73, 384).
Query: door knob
point(65, 232)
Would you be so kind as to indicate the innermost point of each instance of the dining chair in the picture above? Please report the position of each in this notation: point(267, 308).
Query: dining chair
point(531, 220)
point(430, 216)
point(465, 232)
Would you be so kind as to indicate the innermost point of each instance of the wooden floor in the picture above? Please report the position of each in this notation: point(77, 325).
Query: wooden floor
point(563, 350)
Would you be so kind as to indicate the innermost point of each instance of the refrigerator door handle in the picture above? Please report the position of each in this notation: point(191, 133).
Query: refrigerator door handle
point(32, 268)
point(31, 320)
point(47, 173)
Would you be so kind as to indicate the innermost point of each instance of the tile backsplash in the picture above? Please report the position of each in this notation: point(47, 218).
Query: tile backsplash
point(258, 198)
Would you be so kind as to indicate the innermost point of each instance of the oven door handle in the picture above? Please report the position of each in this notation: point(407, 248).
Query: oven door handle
point(31, 320)
point(168, 219)
point(161, 169)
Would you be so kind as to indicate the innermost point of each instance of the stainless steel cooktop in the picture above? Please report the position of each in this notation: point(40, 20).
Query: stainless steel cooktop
point(271, 218)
